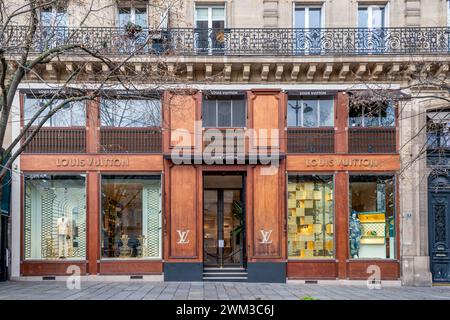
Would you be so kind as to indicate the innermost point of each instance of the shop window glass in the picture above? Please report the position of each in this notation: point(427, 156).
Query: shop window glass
point(310, 112)
point(131, 217)
point(55, 217)
point(223, 113)
point(130, 113)
point(372, 229)
point(71, 115)
point(310, 217)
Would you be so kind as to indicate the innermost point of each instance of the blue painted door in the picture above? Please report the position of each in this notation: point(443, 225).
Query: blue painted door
point(439, 232)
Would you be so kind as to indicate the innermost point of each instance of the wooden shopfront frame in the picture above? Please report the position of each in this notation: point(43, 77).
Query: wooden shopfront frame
point(342, 266)
point(92, 264)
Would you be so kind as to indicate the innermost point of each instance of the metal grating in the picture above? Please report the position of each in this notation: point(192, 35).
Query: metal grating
point(57, 140)
point(372, 140)
point(134, 140)
point(310, 140)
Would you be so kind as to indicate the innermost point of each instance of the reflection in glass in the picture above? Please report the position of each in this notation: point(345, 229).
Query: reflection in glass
point(71, 115)
point(310, 112)
point(131, 217)
point(130, 113)
point(310, 217)
point(375, 114)
point(210, 225)
point(55, 217)
point(326, 115)
point(372, 217)
point(314, 18)
point(140, 16)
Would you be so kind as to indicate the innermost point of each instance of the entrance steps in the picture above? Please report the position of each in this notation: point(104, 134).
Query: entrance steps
point(229, 274)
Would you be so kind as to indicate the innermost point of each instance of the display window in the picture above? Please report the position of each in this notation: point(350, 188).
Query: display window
point(310, 217)
point(372, 223)
point(55, 216)
point(131, 217)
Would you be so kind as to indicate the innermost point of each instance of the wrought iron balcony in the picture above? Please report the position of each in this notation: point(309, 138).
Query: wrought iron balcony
point(238, 41)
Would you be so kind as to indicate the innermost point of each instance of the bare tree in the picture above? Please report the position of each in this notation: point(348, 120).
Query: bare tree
point(424, 83)
point(32, 42)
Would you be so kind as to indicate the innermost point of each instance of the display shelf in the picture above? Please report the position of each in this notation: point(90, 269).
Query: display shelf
point(373, 227)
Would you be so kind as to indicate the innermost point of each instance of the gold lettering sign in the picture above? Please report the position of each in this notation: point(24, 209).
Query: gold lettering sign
point(92, 162)
point(352, 162)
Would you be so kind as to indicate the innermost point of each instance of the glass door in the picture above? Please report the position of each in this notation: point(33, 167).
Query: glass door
point(371, 21)
point(210, 24)
point(308, 24)
point(53, 24)
point(210, 227)
point(223, 223)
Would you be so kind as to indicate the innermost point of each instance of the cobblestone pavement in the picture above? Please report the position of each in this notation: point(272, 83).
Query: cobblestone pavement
point(210, 290)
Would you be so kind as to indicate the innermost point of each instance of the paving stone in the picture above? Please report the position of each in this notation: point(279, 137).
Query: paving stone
point(221, 291)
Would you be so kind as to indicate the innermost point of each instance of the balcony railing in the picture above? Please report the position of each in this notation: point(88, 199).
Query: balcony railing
point(238, 41)
point(310, 140)
point(372, 140)
point(57, 140)
point(130, 140)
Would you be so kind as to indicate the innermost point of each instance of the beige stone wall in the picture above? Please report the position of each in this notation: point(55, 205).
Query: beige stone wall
point(260, 13)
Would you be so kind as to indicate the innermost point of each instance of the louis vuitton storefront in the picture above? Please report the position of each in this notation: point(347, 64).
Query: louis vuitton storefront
point(313, 198)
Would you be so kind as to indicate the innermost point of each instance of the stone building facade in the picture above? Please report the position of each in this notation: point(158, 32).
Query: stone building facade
point(348, 198)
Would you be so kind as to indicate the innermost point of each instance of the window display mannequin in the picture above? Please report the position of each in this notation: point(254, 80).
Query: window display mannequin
point(63, 236)
point(355, 234)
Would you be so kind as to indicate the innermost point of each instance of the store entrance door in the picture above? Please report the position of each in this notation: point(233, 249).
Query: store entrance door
point(223, 221)
point(439, 228)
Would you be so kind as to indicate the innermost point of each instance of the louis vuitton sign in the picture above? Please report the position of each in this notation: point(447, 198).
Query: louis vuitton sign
point(92, 162)
point(344, 162)
point(352, 162)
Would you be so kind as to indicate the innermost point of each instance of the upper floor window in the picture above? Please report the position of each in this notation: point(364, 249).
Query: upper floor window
point(130, 113)
point(438, 129)
point(53, 16)
point(373, 114)
point(310, 111)
point(448, 13)
point(71, 115)
point(372, 16)
point(210, 17)
point(223, 112)
point(133, 14)
point(308, 17)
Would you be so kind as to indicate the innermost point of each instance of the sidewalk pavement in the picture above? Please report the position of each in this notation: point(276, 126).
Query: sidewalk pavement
point(135, 290)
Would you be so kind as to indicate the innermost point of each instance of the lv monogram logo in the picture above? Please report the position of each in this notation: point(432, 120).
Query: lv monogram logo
point(266, 236)
point(183, 236)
